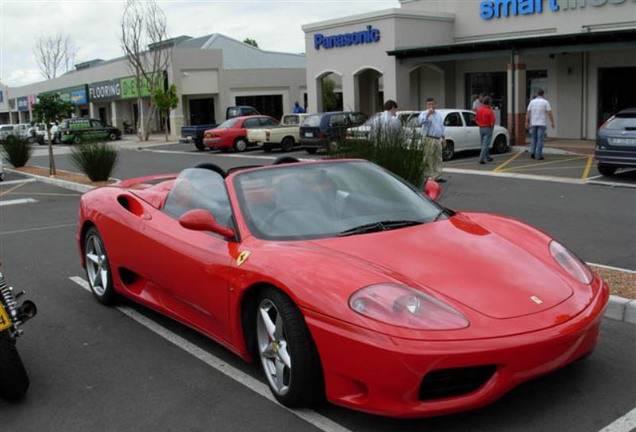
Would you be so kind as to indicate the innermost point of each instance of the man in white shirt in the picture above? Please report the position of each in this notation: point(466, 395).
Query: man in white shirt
point(537, 115)
point(387, 123)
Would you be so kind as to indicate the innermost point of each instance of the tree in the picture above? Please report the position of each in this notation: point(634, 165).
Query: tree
point(329, 98)
point(144, 39)
point(166, 101)
point(48, 109)
point(251, 42)
point(54, 54)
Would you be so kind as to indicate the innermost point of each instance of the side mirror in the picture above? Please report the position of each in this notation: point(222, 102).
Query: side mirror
point(203, 220)
point(432, 189)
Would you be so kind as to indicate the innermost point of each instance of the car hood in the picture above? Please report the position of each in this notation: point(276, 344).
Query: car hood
point(460, 259)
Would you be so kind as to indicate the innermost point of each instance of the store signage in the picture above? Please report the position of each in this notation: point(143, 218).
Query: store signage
point(75, 95)
point(23, 104)
point(129, 87)
point(489, 9)
point(370, 35)
point(104, 91)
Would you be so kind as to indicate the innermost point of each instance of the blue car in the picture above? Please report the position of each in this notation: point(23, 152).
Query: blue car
point(319, 131)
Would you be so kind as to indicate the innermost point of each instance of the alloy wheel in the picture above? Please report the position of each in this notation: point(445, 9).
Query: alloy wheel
point(273, 347)
point(96, 265)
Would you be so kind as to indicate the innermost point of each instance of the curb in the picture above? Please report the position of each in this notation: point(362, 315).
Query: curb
point(618, 308)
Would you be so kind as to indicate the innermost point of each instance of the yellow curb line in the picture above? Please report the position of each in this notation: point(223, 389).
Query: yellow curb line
point(588, 167)
point(498, 169)
point(12, 189)
point(546, 163)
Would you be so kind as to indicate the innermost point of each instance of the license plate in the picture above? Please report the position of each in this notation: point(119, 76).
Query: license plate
point(5, 322)
point(623, 141)
point(309, 134)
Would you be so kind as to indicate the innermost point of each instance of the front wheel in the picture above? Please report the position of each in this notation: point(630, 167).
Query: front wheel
point(112, 136)
point(287, 144)
point(199, 145)
point(311, 150)
point(500, 145)
point(287, 352)
point(100, 278)
point(240, 145)
point(14, 381)
point(606, 170)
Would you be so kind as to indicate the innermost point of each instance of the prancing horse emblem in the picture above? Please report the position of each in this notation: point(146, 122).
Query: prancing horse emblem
point(536, 299)
point(242, 257)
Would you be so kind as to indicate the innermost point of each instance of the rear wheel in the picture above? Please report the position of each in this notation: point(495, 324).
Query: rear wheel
point(449, 151)
point(311, 150)
point(199, 145)
point(77, 140)
point(100, 278)
point(500, 145)
point(606, 170)
point(287, 144)
point(288, 355)
point(112, 136)
point(14, 381)
point(240, 145)
point(267, 148)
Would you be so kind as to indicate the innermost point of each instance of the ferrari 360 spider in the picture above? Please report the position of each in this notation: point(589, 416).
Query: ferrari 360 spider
point(345, 282)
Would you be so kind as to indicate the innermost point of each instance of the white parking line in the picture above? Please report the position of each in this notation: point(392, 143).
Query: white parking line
point(626, 423)
point(11, 182)
point(315, 419)
point(22, 231)
point(17, 201)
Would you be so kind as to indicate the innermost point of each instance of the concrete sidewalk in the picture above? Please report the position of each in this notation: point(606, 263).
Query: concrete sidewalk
point(563, 146)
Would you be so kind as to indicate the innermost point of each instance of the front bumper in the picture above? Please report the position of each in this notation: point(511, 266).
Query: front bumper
point(380, 374)
point(620, 158)
point(186, 140)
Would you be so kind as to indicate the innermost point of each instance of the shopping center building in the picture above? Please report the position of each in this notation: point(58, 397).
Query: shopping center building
point(211, 73)
point(581, 52)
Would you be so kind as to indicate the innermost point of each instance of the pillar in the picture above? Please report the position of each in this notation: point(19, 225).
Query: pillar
point(516, 114)
point(91, 110)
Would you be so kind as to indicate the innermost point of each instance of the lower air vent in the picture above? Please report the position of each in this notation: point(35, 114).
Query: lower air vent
point(446, 383)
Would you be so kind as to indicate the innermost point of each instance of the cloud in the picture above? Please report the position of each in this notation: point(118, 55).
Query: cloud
point(95, 25)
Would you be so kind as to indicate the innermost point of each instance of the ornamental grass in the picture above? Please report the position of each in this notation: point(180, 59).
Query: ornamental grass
point(17, 151)
point(95, 159)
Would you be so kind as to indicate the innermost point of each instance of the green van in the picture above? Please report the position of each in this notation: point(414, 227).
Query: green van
point(77, 130)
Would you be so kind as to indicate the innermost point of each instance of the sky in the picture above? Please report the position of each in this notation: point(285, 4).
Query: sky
point(94, 25)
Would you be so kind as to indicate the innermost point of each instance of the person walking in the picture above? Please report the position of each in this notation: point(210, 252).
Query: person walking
point(297, 108)
point(433, 140)
point(537, 116)
point(485, 119)
point(479, 101)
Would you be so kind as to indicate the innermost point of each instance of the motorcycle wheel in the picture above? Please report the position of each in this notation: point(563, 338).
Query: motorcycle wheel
point(14, 381)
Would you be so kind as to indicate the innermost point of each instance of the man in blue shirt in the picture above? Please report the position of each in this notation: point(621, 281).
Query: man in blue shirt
point(298, 109)
point(433, 140)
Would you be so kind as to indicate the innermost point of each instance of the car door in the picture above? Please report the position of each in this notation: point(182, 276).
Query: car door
point(191, 269)
point(454, 129)
point(98, 130)
point(473, 139)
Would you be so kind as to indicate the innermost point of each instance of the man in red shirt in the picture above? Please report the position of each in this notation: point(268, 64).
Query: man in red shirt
point(485, 119)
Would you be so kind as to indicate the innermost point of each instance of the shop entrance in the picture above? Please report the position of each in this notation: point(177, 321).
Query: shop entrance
point(616, 91)
point(202, 111)
point(271, 105)
point(103, 117)
point(493, 84)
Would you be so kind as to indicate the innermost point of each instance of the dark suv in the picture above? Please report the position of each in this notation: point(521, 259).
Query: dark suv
point(327, 129)
point(616, 143)
point(76, 130)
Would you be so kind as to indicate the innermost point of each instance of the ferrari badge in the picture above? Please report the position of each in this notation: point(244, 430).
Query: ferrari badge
point(242, 258)
point(535, 299)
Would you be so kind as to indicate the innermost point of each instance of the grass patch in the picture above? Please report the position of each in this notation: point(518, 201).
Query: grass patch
point(95, 159)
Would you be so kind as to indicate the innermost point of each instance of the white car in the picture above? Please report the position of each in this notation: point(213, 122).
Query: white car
point(462, 133)
point(362, 132)
point(5, 131)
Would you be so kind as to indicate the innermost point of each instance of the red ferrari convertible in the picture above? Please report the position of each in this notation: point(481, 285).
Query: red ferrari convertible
point(345, 282)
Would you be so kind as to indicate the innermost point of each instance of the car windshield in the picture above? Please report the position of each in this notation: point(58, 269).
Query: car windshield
point(622, 122)
point(228, 123)
point(312, 121)
point(329, 199)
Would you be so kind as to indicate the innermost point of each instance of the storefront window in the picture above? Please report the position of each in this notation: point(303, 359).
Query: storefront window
point(493, 84)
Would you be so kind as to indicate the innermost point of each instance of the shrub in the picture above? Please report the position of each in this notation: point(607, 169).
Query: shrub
point(95, 159)
point(400, 152)
point(17, 151)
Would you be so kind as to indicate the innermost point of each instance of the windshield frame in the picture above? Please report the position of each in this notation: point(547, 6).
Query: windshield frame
point(243, 208)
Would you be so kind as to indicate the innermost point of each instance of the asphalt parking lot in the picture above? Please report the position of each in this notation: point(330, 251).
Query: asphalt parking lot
point(127, 368)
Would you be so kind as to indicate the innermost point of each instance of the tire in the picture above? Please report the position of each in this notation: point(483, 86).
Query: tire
point(267, 148)
point(449, 151)
point(14, 381)
point(199, 145)
point(77, 140)
point(112, 136)
point(240, 145)
point(98, 268)
point(287, 144)
point(500, 145)
point(286, 350)
point(606, 170)
point(311, 150)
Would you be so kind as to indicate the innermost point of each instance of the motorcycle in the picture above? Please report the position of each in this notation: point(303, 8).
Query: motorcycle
point(14, 381)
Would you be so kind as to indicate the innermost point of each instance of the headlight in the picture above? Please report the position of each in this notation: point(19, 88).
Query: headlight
point(570, 263)
point(402, 306)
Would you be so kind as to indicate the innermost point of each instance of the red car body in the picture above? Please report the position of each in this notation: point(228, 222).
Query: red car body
point(233, 137)
point(527, 316)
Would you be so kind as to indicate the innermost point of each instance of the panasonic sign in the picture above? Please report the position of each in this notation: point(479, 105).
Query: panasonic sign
point(370, 35)
point(489, 9)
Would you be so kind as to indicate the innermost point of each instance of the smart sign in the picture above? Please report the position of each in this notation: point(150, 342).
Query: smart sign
point(370, 35)
point(489, 9)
